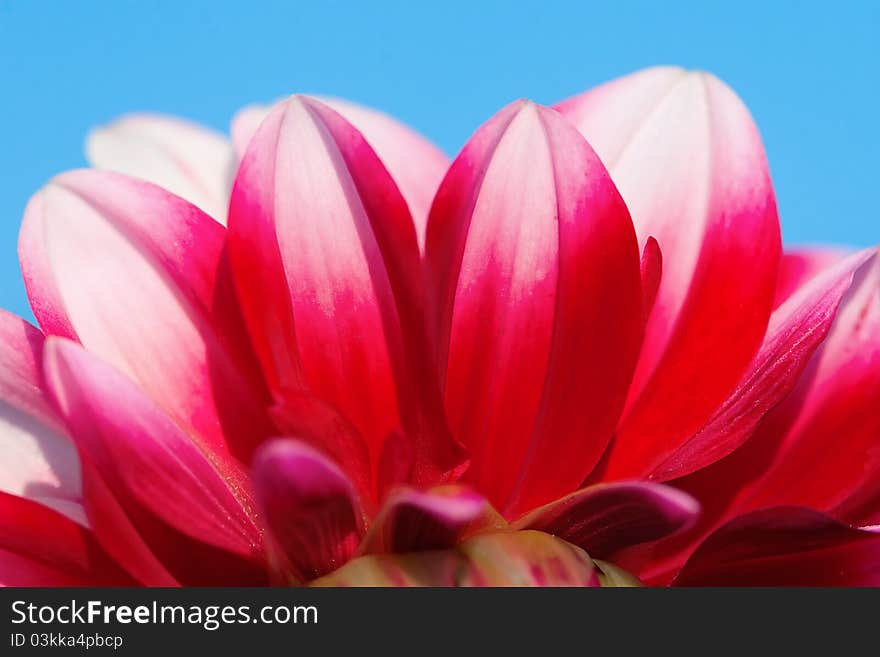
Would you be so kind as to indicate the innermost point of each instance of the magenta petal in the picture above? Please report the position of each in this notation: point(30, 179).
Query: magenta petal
point(821, 447)
point(310, 507)
point(329, 275)
point(320, 425)
point(148, 461)
point(535, 270)
point(416, 165)
point(606, 518)
point(785, 546)
point(412, 520)
point(138, 276)
point(796, 330)
point(688, 160)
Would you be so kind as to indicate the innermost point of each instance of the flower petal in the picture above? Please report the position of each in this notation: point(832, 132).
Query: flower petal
point(501, 559)
point(39, 462)
point(606, 518)
point(711, 206)
point(785, 546)
point(148, 462)
point(115, 530)
point(797, 328)
point(822, 448)
point(652, 273)
point(534, 262)
point(794, 456)
point(416, 165)
point(324, 428)
point(412, 520)
point(138, 276)
point(310, 507)
point(329, 275)
point(184, 158)
point(40, 547)
point(800, 265)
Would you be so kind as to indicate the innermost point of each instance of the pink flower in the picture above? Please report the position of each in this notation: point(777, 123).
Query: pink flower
point(377, 367)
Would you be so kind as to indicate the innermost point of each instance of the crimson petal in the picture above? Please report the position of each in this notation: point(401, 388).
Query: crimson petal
point(535, 267)
point(40, 547)
point(797, 328)
point(328, 269)
point(822, 448)
point(416, 165)
point(688, 160)
point(785, 546)
point(147, 460)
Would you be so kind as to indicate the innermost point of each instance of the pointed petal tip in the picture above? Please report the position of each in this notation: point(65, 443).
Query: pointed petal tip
point(525, 215)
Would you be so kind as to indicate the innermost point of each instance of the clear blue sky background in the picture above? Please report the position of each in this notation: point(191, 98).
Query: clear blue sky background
point(808, 71)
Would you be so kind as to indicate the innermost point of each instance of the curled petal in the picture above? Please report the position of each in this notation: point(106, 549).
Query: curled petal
point(785, 546)
point(310, 508)
point(329, 275)
point(184, 158)
point(151, 465)
point(320, 425)
point(711, 206)
point(501, 559)
point(138, 276)
point(412, 520)
point(416, 165)
point(797, 328)
point(535, 267)
point(39, 462)
point(606, 518)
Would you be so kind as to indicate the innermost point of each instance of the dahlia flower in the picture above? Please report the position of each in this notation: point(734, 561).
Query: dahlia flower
point(321, 353)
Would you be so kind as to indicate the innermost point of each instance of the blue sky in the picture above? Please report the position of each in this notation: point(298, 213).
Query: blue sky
point(808, 71)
